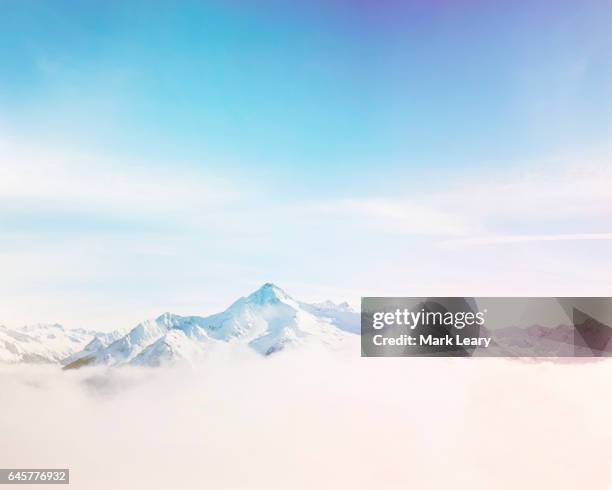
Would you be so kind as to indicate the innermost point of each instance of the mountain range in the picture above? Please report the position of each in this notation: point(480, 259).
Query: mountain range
point(267, 321)
point(48, 343)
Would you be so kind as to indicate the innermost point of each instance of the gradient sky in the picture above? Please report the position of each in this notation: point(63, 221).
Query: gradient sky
point(155, 156)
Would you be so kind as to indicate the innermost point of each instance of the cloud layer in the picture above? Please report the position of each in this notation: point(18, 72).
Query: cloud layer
point(104, 243)
point(315, 421)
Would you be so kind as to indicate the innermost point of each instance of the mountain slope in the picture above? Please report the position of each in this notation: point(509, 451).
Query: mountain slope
point(342, 315)
point(126, 348)
point(173, 347)
point(99, 342)
point(41, 343)
point(267, 321)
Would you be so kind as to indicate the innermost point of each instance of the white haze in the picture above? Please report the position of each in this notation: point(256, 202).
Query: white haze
point(304, 421)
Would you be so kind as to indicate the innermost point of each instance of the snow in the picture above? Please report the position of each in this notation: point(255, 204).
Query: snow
point(267, 321)
point(173, 347)
point(126, 348)
point(41, 343)
point(99, 342)
point(342, 315)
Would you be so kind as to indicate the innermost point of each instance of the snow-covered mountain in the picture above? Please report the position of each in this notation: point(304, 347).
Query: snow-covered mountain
point(172, 347)
point(267, 321)
point(127, 347)
point(341, 315)
point(41, 343)
point(99, 342)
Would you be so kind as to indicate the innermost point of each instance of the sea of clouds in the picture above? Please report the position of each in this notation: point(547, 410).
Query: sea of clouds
point(314, 420)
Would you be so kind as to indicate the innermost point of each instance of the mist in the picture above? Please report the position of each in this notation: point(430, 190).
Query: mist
point(313, 420)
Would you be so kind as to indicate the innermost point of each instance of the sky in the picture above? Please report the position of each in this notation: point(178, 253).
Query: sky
point(161, 157)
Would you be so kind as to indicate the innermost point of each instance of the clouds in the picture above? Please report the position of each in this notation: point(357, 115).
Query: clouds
point(568, 201)
point(509, 239)
point(80, 180)
point(395, 216)
point(305, 420)
point(104, 242)
point(566, 198)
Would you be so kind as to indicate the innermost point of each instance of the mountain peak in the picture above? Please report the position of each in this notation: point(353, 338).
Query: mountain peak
point(268, 293)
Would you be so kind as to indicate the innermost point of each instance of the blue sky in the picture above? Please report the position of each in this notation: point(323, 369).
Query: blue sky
point(310, 86)
point(158, 157)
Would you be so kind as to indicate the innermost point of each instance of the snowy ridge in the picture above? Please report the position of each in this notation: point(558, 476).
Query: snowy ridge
point(342, 315)
point(127, 347)
point(173, 347)
point(267, 321)
point(99, 342)
point(41, 343)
